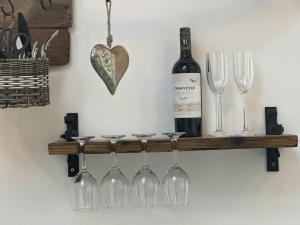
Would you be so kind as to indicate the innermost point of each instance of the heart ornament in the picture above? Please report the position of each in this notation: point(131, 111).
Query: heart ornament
point(110, 64)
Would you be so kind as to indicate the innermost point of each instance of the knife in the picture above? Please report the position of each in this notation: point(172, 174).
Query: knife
point(23, 28)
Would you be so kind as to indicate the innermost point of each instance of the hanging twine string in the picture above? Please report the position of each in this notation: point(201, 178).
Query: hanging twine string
point(109, 37)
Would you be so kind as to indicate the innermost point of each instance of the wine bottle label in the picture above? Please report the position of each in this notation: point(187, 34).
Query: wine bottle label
point(187, 95)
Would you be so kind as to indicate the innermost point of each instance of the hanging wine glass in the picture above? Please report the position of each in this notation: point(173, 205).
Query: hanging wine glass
point(84, 189)
point(217, 76)
point(145, 183)
point(115, 184)
point(243, 75)
point(176, 182)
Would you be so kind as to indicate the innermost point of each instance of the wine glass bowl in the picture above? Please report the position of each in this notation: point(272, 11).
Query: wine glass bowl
point(243, 70)
point(84, 188)
point(217, 75)
point(145, 183)
point(176, 185)
point(115, 184)
point(115, 187)
point(175, 182)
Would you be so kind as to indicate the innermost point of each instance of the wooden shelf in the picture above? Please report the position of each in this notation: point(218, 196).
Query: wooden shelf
point(184, 144)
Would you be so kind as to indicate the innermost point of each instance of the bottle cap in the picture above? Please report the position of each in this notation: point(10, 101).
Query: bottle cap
point(185, 31)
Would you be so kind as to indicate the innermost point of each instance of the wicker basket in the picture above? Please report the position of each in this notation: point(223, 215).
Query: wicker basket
point(24, 83)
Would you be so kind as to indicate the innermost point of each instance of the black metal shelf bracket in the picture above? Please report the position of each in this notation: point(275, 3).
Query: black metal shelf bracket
point(71, 121)
point(272, 128)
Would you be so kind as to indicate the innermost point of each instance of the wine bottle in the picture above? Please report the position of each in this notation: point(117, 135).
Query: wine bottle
point(187, 91)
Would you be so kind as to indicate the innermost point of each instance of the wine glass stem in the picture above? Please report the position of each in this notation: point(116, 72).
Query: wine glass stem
point(175, 158)
point(144, 148)
point(219, 117)
point(245, 113)
point(82, 161)
point(145, 163)
point(113, 152)
point(115, 160)
point(175, 152)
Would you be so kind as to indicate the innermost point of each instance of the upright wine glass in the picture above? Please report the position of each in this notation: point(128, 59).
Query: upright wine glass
point(175, 182)
point(243, 75)
point(84, 189)
point(145, 183)
point(115, 184)
point(217, 77)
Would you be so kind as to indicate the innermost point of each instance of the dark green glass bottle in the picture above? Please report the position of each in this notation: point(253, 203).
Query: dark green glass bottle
point(187, 89)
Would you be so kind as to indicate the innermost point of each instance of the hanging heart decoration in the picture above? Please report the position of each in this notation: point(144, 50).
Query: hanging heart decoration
point(110, 63)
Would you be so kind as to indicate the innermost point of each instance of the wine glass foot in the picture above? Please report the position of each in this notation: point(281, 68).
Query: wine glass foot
point(84, 210)
point(219, 133)
point(246, 133)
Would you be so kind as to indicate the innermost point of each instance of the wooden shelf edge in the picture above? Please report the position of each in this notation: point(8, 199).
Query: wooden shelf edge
point(184, 144)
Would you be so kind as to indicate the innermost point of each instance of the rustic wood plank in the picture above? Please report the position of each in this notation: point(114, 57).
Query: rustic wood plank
point(184, 144)
point(59, 52)
point(58, 16)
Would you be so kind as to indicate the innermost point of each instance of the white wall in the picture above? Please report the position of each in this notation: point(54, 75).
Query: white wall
point(229, 187)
